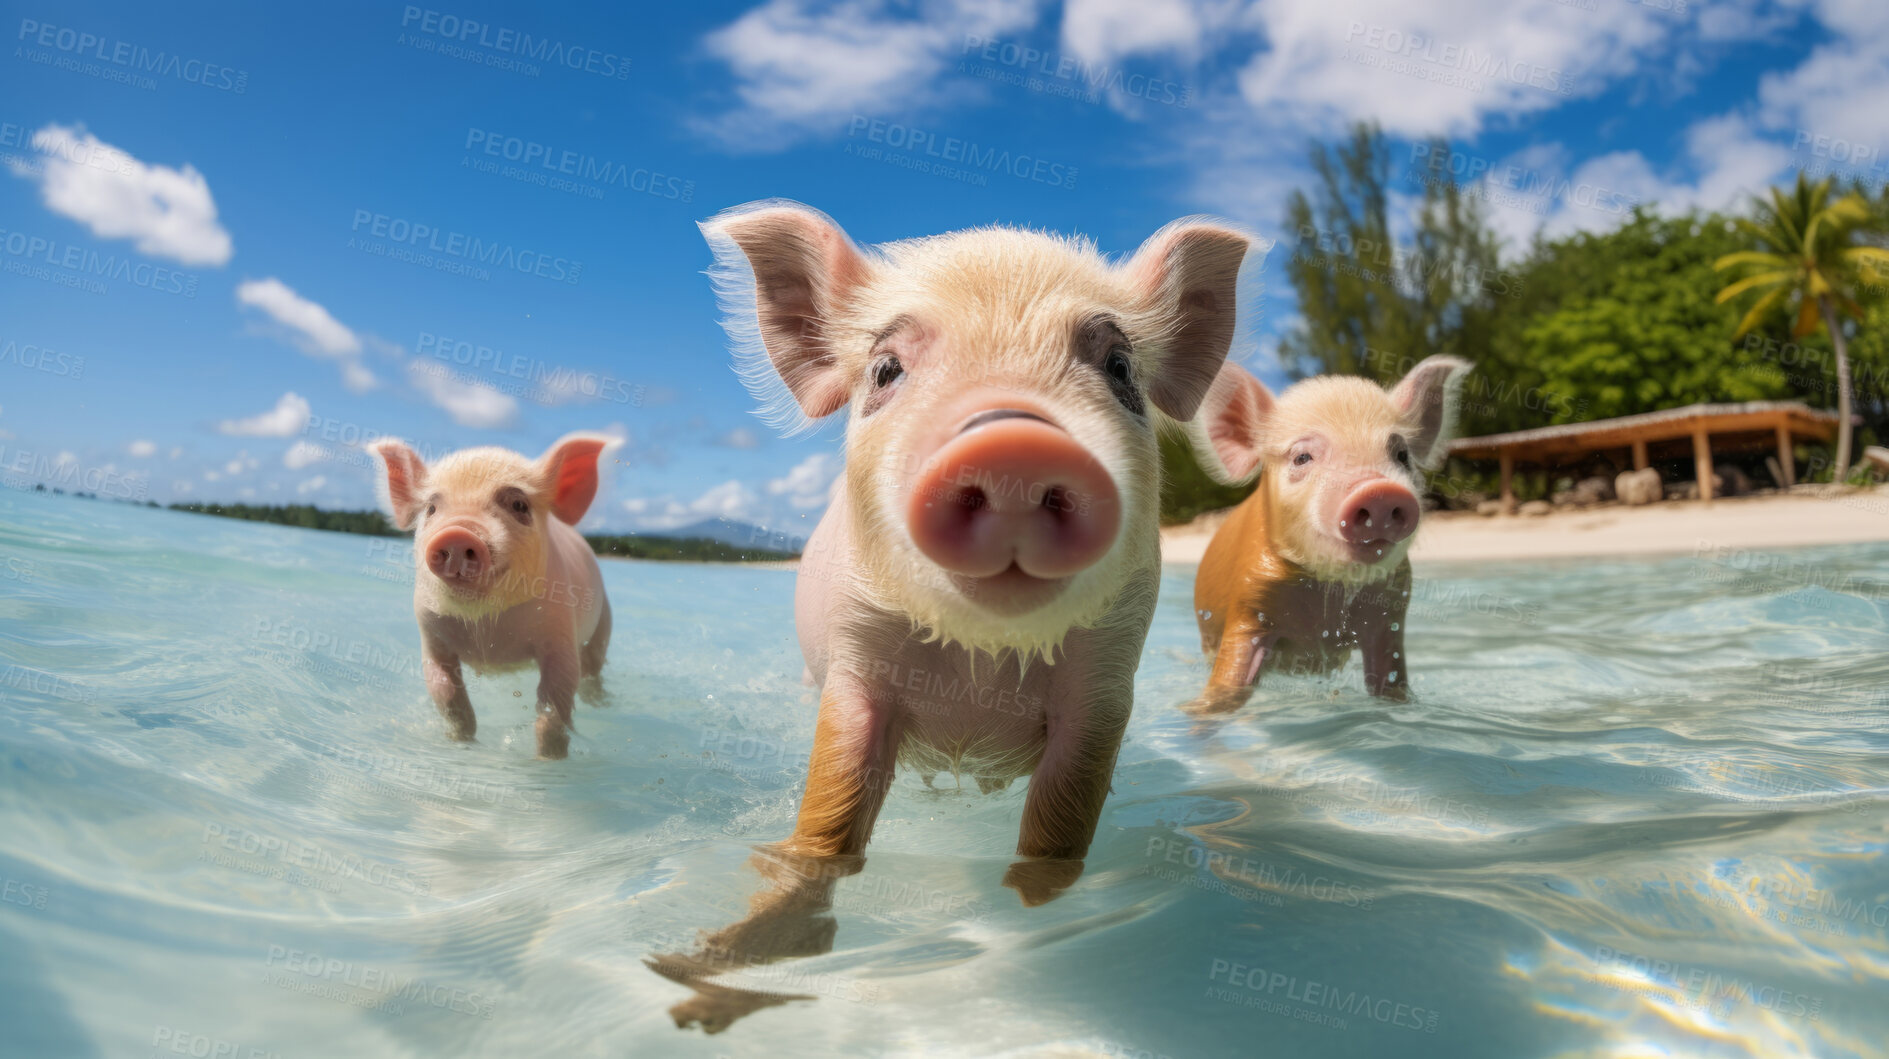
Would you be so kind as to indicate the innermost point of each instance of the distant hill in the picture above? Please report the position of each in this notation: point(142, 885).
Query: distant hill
point(712, 540)
point(739, 534)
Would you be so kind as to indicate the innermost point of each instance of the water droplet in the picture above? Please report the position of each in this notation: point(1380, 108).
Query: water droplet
point(1397, 654)
point(1395, 626)
point(1393, 676)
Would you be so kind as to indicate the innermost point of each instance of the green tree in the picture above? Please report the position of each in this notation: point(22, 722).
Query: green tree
point(1808, 255)
point(1373, 305)
point(1620, 322)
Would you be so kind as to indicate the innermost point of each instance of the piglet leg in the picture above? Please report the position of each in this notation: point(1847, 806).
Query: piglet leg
point(1385, 672)
point(447, 685)
point(558, 675)
point(1381, 637)
point(1243, 648)
point(1062, 808)
point(590, 688)
point(855, 744)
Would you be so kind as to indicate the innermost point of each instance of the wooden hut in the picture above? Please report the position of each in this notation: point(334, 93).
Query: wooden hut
point(1662, 435)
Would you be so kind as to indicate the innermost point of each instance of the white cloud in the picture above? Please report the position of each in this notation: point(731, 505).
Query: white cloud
point(1839, 91)
point(1106, 31)
point(356, 377)
point(302, 454)
point(801, 66)
point(1457, 68)
point(1724, 163)
point(471, 404)
point(313, 327)
point(142, 449)
point(310, 485)
point(807, 485)
point(285, 420)
point(176, 451)
point(739, 438)
point(165, 212)
point(730, 500)
point(1439, 66)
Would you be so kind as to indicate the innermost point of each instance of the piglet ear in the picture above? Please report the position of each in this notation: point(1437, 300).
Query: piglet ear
point(1188, 276)
point(782, 271)
point(1229, 431)
point(569, 469)
point(402, 482)
point(1426, 401)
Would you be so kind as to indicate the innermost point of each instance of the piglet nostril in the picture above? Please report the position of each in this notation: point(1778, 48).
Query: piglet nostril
point(456, 555)
point(1056, 500)
point(1380, 511)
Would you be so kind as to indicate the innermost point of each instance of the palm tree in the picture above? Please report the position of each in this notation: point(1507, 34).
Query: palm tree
point(1807, 253)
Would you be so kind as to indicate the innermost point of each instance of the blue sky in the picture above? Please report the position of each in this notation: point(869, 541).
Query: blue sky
point(214, 289)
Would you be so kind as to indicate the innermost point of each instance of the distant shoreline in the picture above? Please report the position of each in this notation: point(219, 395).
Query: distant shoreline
point(1811, 516)
point(649, 548)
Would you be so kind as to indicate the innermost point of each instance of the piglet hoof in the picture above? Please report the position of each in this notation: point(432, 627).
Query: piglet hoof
point(554, 741)
point(1215, 701)
point(1040, 880)
point(715, 1008)
point(1397, 692)
point(591, 692)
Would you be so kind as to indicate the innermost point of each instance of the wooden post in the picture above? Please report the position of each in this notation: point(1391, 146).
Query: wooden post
point(1785, 461)
point(1507, 459)
point(1702, 462)
point(1639, 454)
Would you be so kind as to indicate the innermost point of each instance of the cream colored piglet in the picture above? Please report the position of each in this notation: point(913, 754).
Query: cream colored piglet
point(975, 598)
point(504, 581)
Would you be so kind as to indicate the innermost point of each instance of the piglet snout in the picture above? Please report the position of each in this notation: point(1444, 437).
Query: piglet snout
point(458, 556)
point(1012, 489)
point(1379, 510)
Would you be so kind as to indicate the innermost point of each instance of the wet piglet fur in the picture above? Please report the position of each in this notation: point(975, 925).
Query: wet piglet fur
point(1314, 563)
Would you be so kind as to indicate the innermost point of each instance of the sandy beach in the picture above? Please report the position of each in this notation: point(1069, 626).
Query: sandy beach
point(1810, 515)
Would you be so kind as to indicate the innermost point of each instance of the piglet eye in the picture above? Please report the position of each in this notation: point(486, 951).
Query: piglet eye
point(1121, 380)
point(1403, 457)
point(521, 507)
point(886, 372)
point(1302, 459)
point(430, 508)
